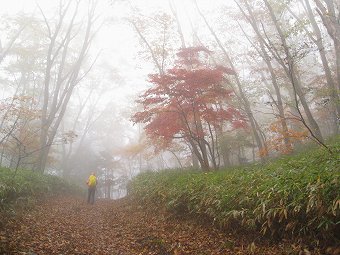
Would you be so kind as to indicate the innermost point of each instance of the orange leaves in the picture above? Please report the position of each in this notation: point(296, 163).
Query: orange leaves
point(298, 134)
point(263, 152)
point(283, 141)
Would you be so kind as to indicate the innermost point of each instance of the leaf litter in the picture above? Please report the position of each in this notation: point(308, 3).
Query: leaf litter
point(67, 225)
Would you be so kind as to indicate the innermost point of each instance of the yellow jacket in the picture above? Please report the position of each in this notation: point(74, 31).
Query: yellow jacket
point(92, 181)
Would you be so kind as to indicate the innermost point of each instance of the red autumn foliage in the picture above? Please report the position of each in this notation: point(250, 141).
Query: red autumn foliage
point(190, 56)
point(188, 101)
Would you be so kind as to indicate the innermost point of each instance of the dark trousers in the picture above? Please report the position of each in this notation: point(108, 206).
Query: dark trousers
point(91, 194)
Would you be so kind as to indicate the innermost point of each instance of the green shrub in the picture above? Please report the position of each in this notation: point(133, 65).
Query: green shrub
point(296, 195)
point(26, 186)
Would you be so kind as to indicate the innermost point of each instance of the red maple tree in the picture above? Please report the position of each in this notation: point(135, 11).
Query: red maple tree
point(190, 102)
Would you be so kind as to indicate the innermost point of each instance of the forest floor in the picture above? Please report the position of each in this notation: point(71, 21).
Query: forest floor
point(70, 226)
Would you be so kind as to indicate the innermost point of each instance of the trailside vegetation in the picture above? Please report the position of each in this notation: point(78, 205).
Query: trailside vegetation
point(24, 187)
point(296, 195)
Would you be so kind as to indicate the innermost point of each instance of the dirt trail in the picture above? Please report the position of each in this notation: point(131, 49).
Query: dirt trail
point(70, 226)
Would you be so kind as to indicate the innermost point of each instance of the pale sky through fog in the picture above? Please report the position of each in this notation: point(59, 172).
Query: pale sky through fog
point(117, 41)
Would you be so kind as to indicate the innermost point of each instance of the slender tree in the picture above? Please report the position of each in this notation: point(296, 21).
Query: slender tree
point(58, 91)
point(329, 11)
point(263, 52)
point(288, 62)
point(316, 37)
point(242, 94)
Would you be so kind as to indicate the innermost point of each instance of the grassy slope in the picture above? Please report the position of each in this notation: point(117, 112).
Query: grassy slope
point(27, 187)
point(294, 195)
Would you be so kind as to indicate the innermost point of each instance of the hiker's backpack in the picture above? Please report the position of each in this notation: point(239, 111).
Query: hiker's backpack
point(92, 181)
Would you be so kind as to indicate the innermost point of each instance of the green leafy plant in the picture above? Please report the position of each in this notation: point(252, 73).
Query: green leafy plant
point(27, 186)
point(296, 195)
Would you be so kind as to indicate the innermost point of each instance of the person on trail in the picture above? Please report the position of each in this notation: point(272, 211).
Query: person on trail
point(92, 184)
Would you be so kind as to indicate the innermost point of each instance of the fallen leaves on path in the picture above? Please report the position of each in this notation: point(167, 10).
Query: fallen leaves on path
point(70, 226)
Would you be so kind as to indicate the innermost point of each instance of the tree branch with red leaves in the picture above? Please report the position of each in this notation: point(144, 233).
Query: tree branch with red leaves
point(190, 102)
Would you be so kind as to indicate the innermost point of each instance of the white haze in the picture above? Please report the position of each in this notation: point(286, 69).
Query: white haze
point(119, 68)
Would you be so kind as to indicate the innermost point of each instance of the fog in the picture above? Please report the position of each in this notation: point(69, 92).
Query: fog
point(73, 76)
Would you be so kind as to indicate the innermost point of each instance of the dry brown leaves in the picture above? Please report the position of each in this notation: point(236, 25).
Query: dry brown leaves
point(70, 226)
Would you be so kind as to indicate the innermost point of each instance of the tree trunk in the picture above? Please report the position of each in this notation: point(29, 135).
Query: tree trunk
point(179, 27)
point(55, 102)
point(264, 54)
point(195, 162)
point(330, 17)
point(292, 74)
point(318, 40)
point(245, 101)
point(226, 158)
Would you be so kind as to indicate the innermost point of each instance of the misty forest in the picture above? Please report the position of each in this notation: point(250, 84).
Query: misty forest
point(170, 127)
